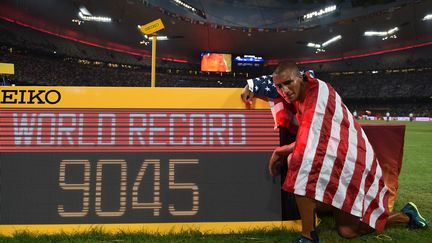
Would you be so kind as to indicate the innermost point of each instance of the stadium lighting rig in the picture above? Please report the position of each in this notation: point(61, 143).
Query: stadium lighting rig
point(318, 13)
point(160, 38)
point(77, 21)
point(85, 11)
point(389, 34)
point(147, 38)
point(85, 15)
point(190, 8)
point(320, 47)
point(94, 18)
point(144, 42)
point(427, 17)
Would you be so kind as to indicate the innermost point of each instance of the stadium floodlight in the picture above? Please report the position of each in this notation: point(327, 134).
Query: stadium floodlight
point(391, 31)
point(381, 33)
point(375, 33)
point(85, 15)
point(320, 47)
point(94, 18)
point(85, 11)
point(77, 21)
point(189, 7)
point(318, 50)
point(427, 17)
point(185, 5)
point(159, 38)
point(310, 44)
point(336, 38)
point(320, 12)
point(144, 42)
point(389, 37)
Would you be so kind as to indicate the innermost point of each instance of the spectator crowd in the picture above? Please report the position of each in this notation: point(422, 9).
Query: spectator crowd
point(401, 91)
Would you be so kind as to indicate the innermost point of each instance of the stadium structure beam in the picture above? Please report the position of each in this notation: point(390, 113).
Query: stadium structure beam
point(153, 65)
point(151, 29)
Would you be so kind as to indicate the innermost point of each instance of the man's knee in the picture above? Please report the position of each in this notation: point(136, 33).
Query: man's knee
point(347, 232)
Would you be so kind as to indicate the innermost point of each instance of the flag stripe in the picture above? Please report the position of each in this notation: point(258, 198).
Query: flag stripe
point(357, 206)
point(341, 155)
point(348, 165)
point(378, 211)
point(356, 178)
point(322, 144)
point(382, 219)
point(302, 137)
point(330, 154)
point(373, 190)
point(374, 196)
point(283, 115)
point(369, 180)
point(312, 140)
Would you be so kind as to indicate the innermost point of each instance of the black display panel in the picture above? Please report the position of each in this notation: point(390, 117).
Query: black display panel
point(91, 187)
point(104, 166)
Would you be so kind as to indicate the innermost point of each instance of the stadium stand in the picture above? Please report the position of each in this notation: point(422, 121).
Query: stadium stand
point(398, 81)
point(400, 90)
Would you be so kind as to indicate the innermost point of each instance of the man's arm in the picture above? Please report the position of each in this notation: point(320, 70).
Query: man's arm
point(277, 154)
point(247, 95)
point(261, 86)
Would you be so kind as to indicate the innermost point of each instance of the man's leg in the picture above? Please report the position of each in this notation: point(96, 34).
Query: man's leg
point(398, 217)
point(306, 207)
point(350, 226)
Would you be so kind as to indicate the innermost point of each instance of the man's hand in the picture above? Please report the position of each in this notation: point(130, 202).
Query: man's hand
point(278, 153)
point(247, 95)
point(273, 163)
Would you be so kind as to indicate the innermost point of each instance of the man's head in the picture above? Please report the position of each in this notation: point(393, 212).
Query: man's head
point(289, 82)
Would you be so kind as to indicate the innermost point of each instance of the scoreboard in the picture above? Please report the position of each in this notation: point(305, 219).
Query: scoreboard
point(152, 159)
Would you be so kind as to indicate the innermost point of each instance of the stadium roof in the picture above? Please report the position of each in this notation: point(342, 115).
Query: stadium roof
point(269, 28)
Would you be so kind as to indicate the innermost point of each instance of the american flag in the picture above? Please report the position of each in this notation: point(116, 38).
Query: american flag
point(263, 86)
point(283, 112)
point(333, 161)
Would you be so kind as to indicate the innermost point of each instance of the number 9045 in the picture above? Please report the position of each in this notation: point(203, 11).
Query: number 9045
point(155, 205)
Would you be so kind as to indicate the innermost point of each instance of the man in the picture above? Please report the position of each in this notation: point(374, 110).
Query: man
point(332, 163)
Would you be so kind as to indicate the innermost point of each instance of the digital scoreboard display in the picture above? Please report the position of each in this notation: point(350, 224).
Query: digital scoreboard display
point(135, 156)
point(216, 62)
point(248, 63)
point(143, 159)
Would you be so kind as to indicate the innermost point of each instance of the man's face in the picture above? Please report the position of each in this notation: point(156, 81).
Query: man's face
point(289, 85)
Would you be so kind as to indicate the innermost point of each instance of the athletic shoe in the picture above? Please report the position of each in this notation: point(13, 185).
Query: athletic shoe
point(416, 221)
point(315, 238)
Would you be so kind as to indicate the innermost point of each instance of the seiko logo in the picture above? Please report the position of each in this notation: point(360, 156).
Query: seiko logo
point(29, 96)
